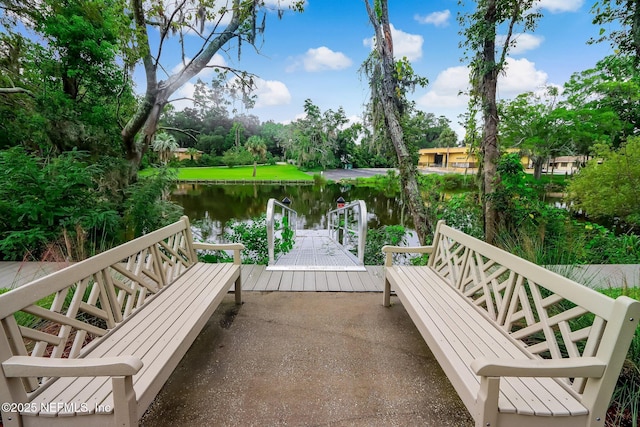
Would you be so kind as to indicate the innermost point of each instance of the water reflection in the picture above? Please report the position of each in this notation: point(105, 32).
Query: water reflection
point(211, 206)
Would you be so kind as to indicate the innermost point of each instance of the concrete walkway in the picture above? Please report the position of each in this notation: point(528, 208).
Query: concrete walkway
point(308, 359)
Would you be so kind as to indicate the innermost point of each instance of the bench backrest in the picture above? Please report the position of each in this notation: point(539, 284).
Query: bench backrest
point(87, 299)
point(551, 316)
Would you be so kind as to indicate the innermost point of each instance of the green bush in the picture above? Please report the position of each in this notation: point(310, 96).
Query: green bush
point(253, 235)
point(395, 235)
point(463, 212)
point(147, 207)
point(237, 156)
point(48, 201)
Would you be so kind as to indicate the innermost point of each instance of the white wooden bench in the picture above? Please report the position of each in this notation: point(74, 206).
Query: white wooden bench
point(117, 326)
point(521, 345)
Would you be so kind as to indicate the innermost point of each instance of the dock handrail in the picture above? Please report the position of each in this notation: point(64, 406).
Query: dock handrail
point(353, 213)
point(285, 212)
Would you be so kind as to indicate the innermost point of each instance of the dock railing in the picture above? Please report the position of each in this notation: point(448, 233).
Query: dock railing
point(288, 218)
point(347, 225)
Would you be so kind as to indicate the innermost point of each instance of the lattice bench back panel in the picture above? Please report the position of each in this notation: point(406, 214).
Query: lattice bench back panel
point(553, 317)
point(84, 301)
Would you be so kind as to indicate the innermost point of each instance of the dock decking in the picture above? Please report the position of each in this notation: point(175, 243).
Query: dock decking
point(259, 278)
point(254, 278)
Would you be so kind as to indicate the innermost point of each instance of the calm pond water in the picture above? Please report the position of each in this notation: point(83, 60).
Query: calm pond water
point(210, 206)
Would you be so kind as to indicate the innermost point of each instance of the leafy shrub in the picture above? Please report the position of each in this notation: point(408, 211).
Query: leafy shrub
point(377, 238)
point(463, 212)
point(147, 207)
point(237, 156)
point(43, 201)
point(253, 235)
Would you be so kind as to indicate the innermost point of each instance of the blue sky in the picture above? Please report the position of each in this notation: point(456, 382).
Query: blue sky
point(317, 55)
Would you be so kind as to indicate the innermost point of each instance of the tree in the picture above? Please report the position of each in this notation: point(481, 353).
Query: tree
point(164, 144)
point(625, 13)
point(216, 25)
point(528, 123)
point(389, 81)
point(258, 149)
point(609, 186)
point(425, 130)
point(613, 87)
point(274, 135)
point(480, 29)
point(191, 151)
point(61, 60)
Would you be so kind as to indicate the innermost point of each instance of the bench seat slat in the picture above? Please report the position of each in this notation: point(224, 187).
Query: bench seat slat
point(180, 305)
point(125, 338)
point(448, 317)
point(465, 341)
point(461, 346)
point(557, 399)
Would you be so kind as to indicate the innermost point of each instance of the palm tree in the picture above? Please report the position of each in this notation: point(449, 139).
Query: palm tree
point(192, 152)
point(164, 144)
point(258, 149)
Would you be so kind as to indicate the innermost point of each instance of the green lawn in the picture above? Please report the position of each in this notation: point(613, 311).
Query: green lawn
point(266, 172)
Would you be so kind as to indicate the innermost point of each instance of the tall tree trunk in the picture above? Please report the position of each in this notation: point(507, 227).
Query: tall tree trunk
point(386, 93)
point(489, 145)
point(157, 93)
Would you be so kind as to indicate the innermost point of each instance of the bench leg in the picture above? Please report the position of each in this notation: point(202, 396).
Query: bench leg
point(124, 400)
point(487, 402)
point(387, 293)
point(237, 290)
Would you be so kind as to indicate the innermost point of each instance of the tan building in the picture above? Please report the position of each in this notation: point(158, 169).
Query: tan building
point(455, 159)
point(564, 164)
point(448, 158)
point(183, 154)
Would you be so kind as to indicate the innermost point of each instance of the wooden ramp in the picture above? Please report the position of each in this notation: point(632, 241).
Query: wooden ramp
point(314, 250)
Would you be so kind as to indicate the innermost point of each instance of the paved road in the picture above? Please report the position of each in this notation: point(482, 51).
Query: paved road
point(338, 174)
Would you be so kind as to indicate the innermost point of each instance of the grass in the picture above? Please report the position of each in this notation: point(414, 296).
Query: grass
point(264, 173)
point(26, 319)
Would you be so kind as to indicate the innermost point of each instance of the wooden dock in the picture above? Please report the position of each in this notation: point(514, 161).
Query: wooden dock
point(254, 278)
point(16, 273)
point(258, 278)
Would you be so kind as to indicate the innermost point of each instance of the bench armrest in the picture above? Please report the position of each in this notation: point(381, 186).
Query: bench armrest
point(588, 367)
point(235, 247)
point(218, 246)
point(407, 249)
point(390, 250)
point(28, 366)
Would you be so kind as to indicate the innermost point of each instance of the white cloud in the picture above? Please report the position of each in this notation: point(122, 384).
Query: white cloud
point(271, 93)
point(185, 91)
point(404, 44)
point(521, 76)
point(558, 6)
point(523, 42)
point(439, 19)
point(444, 91)
point(217, 60)
point(321, 59)
point(444, 94)
point(282, 4)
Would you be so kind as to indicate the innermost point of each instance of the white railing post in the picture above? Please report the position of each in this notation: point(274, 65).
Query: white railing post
point(292, 220)
point(360, 230)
